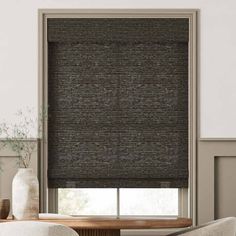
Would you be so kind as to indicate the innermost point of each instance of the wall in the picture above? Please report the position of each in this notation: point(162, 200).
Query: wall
point(216, 179)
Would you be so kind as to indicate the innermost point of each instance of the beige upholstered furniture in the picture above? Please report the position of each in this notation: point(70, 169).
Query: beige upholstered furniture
point(33, 228)
point(222, 227)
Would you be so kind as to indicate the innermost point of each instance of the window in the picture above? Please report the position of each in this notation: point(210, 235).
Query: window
point(113, 202)
point(185, 205)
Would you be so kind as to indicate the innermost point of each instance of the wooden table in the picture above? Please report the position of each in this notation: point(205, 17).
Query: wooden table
point(112, 226)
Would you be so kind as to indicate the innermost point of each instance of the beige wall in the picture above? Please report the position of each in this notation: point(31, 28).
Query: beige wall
point(216, 180)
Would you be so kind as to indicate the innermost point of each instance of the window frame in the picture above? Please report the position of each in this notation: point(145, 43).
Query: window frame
point(187, 196)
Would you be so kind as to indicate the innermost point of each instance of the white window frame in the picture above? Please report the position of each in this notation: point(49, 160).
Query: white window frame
point(187, 204)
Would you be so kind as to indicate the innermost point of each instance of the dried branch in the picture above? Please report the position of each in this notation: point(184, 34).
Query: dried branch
point(18, 135)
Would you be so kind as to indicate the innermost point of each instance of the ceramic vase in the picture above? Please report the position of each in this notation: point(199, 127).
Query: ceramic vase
point(25, 195)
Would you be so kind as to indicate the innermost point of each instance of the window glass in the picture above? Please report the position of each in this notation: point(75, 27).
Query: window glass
point(72, 201)
point(163, 202)
point(139, 202)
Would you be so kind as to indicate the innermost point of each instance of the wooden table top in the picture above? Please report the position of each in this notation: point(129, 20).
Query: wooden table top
point(121, 223)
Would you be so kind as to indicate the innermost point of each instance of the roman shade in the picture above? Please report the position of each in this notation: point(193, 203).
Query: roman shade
point(118, 102)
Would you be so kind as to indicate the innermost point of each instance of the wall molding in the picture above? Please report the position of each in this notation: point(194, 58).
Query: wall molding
point(216, 139)
point(208, 151)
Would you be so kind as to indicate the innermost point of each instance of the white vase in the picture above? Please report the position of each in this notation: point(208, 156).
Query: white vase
point(25, 195)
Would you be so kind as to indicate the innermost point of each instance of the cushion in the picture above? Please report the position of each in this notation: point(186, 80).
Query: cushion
point(221, 227)
point(34, 228)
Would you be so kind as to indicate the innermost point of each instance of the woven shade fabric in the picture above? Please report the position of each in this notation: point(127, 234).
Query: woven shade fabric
point(118, 102)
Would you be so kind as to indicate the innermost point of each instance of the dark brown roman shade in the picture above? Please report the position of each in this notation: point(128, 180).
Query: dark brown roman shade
point(118, 102)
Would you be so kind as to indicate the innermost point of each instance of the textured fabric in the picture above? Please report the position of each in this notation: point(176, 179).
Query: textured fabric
point(122, 30)
point(222, 227)
point(32, 228)
point(118, 103)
